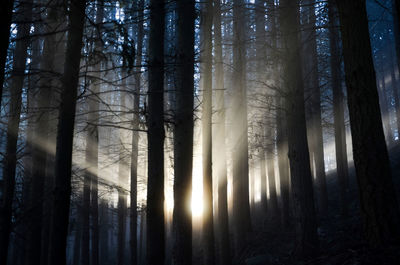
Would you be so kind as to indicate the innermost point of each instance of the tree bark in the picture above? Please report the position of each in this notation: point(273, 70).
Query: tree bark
point(299, 159)
point(10, 163)
point(135, 135)
point(206, 86)
point(379, 206)
point(220, 135)
point(183, 134)
point(65, 133)
point(6, 16)
point(311, 79)
point(155, 188)
point(338, 107)
point(241, 207)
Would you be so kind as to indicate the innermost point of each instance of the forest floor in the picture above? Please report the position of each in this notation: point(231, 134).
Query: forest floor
point(341, 239)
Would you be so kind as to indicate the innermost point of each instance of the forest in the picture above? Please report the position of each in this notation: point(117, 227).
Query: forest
point(204, 132)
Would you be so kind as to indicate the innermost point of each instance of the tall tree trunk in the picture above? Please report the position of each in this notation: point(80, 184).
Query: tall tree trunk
point(384, 104)
point(206, 86)
point(241, 207)
point(299, 159)
point(135, 134)
point(379, 206)
point(65, 133)
point(122, 182)
point(10, 163)
point(338, 107)
point(93, 139)
point(220, 159)
point(261, 58)
point(46, 83)
point(310, 72)
point(6, 16)
point(155, 188)
point(183, 134)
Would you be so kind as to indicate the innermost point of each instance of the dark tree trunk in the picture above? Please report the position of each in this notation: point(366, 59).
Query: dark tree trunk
point(311, 80)
point(220, 159)
point(103, 233)
point(206, 85)
point(283, 163)
point(10, 157)
point(6, 16)
point(40, 136)
point(240, 174)
point(379, 206)
point(155, 188)
point(261, 58)
point(263, 181)
point(122, 193)
point(299, 159)
point(93, 140)
point(135, 136)
point(338, 107)
point(65, 133)
point(183, 134)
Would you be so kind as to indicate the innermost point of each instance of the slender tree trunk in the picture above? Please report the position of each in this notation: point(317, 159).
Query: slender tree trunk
point(312, 85)
point(241, 208)
point(220, 159)
point(299, 159)
point(206, 85)
point(135, 135)
point(10, 163)
point(379, 206)
point(155, 188)
point(65, 132)
point(6, 16)
point(338, 107)
point(122, 182)
point(261, 58)
point(183, 134)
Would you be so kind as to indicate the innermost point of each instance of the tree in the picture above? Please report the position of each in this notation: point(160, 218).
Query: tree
point(6, 16)
point(155, 135)
point(206, 85)
point(379, 206)
point(44, 102)
point(220, 159)
point(183, 134)
point(299, 160)
point(10, 163)
point(311, 79)
point(338, 107)
point(135, 134)
point(65, 132)
point(240, 174)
